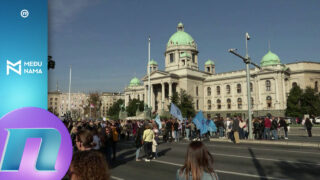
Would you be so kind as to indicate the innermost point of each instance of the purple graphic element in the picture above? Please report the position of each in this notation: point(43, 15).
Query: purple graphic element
point(42, 119)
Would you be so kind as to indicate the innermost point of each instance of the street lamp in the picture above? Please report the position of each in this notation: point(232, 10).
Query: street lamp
point(247, 61)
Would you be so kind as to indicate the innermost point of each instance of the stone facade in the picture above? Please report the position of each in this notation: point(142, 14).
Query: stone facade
point(223, 94)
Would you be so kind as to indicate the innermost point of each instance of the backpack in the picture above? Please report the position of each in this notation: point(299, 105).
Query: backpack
point(115, 135)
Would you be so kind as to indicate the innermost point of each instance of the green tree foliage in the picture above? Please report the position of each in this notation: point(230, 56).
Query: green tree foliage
point(300, 103)
point(184, 102)
point(113, 111)
point(294, 102)
point(133, 106)
point(95, 101)
point(310, 103)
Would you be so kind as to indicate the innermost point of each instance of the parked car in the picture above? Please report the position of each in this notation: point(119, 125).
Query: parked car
point(316, 120)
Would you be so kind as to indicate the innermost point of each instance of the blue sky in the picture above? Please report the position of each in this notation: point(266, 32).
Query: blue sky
point(105, 41)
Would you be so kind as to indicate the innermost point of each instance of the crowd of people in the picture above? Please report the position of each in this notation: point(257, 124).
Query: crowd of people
point(95, 142)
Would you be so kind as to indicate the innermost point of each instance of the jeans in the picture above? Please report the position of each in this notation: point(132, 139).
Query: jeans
point(266, 131)
point(221, 131)
point(176, 136)
point(188, 133)
point(274, 134)
point(138, 152)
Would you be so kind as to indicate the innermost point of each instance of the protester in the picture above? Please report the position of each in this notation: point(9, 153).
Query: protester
point(138, 140)
point(115, 137)
point(168, 131)
point(176, 130)
point(267, 126)
point(256, 128)
point(108, 141)
point(188, 129)
point(284, 127)
point(155, 141)
point(96, 139)
point(309, 125)
point(84, 140)
point(274, 128)
point(88, 165)
point(198, 164)
point(147, 138)
point(235, 129)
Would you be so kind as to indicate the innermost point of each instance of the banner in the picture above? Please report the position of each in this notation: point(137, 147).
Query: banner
point(175, 111)
point(158, 121)
point(23, 54)
point(200, 123)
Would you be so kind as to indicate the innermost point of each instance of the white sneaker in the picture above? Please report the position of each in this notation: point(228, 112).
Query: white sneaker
point(285, 138)
point(147, 160)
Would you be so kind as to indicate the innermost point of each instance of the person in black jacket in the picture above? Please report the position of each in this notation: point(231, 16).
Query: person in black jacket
point(308, 125)
point(284, 125)
point(274, 128)
point(138, 140)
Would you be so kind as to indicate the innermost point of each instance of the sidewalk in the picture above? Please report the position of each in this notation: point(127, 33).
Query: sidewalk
point(285, 143)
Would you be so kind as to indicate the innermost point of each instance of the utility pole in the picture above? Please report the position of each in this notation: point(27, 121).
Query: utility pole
point(247, 61)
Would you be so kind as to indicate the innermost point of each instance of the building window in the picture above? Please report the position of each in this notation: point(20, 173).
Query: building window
point(197, 91)
point(229, 103)
point(239, 103)
point(209, 91)
point(268, 85)
point(269, 102)
point(138, 97)
point(252, 102)
point(219, 104)
point(193, 58)
point(50, 99)
point(218, 90)
point(208, 69)
point(171, 57)
point(251, 87)
point(209, 104)
point(238, 88)
point(316, 86)
point(228, 89)
point(294, 84)
point(197, 104)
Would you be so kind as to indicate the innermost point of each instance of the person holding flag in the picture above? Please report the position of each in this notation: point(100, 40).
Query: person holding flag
point(200, 123)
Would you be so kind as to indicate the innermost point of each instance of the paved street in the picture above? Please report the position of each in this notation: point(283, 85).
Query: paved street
point(241, 161)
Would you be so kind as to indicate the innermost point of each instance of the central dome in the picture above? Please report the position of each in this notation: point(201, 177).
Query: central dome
point(134, 82)
point(180, 37)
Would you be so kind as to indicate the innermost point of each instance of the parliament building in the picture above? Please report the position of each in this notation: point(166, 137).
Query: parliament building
point(221, 94)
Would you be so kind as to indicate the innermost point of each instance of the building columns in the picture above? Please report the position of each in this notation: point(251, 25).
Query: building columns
point(163, 95)
point(170, 91)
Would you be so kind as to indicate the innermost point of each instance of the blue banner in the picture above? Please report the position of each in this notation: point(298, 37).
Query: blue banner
point(200, 123)
point(175, 111)
point(158, 121)
point(211, 126)
point(23, 54)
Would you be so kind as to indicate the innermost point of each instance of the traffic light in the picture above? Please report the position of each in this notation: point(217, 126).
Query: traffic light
point(51, 63)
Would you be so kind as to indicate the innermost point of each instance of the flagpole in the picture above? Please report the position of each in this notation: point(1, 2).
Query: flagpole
point(149, 81)
point(69, 89)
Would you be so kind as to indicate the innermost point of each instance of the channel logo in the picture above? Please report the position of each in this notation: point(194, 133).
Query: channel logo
point(12, 66)
point(34, 144)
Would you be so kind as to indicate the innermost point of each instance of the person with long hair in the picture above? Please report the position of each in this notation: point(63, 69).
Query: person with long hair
point(88, 165)
point(198, 164)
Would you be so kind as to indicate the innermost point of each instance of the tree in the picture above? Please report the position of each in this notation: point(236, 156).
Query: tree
point(310, 102)
point(294, 102)
point(113, 111)
point(184, 102)
point(93, 102)
point(133, 105)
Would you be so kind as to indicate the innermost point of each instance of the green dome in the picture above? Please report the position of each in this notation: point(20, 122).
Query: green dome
point(270, 59)
point(134, 82)
point(153, 62)
point(180, 37)
point(209, 62)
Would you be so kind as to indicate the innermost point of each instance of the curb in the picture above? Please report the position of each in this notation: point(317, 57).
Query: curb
point(301, 144)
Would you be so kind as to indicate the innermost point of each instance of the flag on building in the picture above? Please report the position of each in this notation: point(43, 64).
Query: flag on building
point(200, 123)
point(175, 111)
point(158, 121)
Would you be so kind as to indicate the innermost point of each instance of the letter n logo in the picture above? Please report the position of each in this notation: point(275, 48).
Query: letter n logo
point(15, 144)
point(10, 66)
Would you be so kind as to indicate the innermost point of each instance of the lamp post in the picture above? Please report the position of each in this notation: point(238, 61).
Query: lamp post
point(247, 61)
